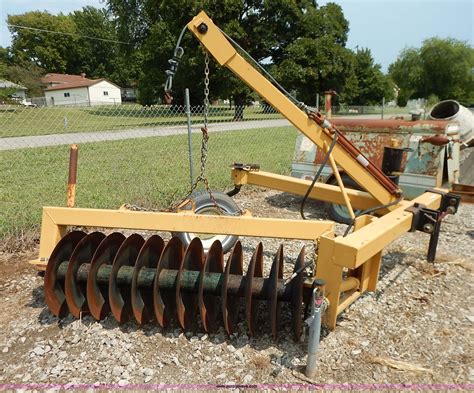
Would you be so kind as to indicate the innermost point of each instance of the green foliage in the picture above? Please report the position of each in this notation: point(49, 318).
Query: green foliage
point(53, 52)
point(441, 67)
point(372, 84)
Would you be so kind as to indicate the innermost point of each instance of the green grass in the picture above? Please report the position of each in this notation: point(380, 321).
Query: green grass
point(148, 172)
point(53, 120)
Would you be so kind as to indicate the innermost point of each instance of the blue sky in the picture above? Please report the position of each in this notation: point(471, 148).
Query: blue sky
point(384, 26)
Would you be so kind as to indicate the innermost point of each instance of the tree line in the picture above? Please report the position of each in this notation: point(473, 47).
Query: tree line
point(302, 44)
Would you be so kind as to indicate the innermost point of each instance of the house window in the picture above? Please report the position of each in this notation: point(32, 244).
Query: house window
point(106, 93)
point(67, 95)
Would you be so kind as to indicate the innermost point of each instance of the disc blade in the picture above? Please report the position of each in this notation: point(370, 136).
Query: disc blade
point(231, 304)
point(142, 303)
point(119, 298)
point(251, 305)
point(274, 305)
point(97, 296)
point(208, 305)
point(187, 303)
point(297, 296)
point(75, 291)
point(53, 289)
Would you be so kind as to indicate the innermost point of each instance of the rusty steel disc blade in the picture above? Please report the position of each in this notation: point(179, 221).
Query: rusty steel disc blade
point(150, 253)
point(75, 291)
point(208, 306)
point(297, 296)
point(97, 296)
point(119, 298)
point(164, 302)
point(53, 289)
point(251, 305)
point(187, 303)
point(230, 304)
point(276, 273)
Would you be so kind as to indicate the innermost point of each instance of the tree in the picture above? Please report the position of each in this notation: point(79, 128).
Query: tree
point(95, 57)
point(52, 52)
point(372, 84)
point(441, 67)
point(270, 31)
point(83, 41)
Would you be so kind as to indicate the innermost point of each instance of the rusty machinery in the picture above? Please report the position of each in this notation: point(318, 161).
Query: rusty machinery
point(149, 280)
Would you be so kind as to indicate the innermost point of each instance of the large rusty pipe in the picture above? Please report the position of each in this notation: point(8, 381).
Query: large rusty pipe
point(72, 177)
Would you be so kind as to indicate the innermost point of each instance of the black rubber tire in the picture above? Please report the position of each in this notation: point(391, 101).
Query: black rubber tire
point(336, 211)
point(204, 204)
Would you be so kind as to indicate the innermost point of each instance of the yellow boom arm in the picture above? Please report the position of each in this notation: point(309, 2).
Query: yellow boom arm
point(223, 51)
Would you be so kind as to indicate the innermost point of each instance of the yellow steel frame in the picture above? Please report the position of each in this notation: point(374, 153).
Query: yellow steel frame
point(225, 54)
point(356, 257)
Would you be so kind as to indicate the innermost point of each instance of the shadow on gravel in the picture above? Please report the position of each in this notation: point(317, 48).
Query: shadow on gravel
point(313, 209)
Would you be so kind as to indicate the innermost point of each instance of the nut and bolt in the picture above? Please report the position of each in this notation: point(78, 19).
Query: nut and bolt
point(428, 228)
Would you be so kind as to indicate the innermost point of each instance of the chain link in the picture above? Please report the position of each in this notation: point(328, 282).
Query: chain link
point(202, 178)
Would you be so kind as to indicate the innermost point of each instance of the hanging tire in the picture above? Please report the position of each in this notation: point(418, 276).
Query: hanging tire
point(204, 205)
point(338, 212)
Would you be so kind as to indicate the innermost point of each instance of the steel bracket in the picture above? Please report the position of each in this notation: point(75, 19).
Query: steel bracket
point(449, 202)
point(246, 167)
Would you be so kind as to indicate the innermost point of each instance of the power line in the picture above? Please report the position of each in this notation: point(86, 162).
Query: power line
point(70, 34)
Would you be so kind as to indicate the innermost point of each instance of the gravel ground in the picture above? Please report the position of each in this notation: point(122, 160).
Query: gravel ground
point(421, 316)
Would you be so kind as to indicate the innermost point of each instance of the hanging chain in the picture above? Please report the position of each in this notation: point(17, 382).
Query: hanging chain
point(202, 178)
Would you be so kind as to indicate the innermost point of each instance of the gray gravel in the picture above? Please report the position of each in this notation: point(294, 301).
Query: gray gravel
point(421, 314)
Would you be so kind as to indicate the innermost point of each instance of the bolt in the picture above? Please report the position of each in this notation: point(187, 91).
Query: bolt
point(428, 228)
point(202, 28)
point(453, 201)
point(450, 210)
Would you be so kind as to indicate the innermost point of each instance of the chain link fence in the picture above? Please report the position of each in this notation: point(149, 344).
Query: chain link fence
point(127, 154)
point(133, 154)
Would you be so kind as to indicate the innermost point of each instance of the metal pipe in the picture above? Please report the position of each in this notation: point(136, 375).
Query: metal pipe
point(314, 322)
point(71, 183)
point(349, 283)
point(189, 281)
point(190, 146)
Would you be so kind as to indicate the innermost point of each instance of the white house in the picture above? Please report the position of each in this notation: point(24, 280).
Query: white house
point(19, 93)
point(64, 89)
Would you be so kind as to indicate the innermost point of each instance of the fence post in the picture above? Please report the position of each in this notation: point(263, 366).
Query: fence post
point(190, 147)
point(383, 105)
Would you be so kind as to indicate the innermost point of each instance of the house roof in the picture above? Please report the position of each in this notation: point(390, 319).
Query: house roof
point(61, 78)
point(74, 85)
point(4, 84)
point(68, 81)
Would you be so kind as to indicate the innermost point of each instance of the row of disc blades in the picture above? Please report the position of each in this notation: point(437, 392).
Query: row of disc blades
point(86, 274)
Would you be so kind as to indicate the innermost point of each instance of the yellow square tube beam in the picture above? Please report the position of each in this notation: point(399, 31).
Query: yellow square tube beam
point(353, 250)
point(321, 191)
point(56, 219)
point(223, 51)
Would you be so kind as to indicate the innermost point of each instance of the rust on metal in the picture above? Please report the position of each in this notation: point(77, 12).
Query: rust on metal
point(75, 291)
point(165, 302)
point(133, 277)
point(276, 273)
point(150, 253)
point(465, 191)
point(119, 298)
point(187, 303)
point(251, 305)
point(208, 303)
point(97, 296)
point(53, 290)
point(72, 176)
point(231, 304)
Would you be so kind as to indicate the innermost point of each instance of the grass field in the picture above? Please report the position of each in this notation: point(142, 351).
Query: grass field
point(53, 120)
point(148, 172)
